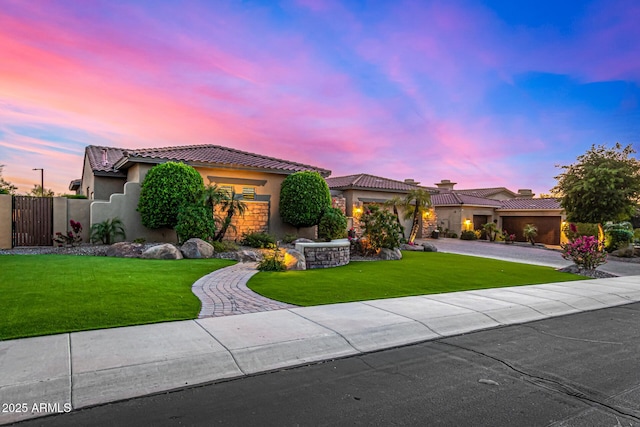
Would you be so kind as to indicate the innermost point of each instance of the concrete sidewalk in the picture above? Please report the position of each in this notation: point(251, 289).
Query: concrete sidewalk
point(69, 371)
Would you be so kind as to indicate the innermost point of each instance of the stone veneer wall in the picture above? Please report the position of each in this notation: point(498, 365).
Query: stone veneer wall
point(340, 203)
point(255, 219)
point(325, 255)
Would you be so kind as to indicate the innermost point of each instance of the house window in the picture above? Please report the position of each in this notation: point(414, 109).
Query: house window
point(226, 188)
point(248, 193)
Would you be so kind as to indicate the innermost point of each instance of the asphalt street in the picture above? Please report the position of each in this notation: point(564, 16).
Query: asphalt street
point(576, 370)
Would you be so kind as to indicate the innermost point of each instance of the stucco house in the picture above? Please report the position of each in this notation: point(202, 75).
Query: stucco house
point(363, 189)
point(112, 178)
point(469, 209)
point(456, 210)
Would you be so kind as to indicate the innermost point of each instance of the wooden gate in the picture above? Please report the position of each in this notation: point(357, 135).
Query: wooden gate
point(32, 221)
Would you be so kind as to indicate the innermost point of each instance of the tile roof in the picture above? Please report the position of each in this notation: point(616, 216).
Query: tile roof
point(484, 192)
point(369, 182)
point(102, 159)
point(455, 198)
point(198, 154)
point(525, 204)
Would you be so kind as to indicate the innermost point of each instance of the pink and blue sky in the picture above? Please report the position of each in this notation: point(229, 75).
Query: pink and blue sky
point(484, 93)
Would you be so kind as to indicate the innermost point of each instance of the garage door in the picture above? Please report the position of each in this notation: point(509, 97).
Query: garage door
point(548, 227)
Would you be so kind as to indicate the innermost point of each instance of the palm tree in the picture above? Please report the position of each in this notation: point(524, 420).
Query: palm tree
point(530, 232)
point(416, 203)
point(107, 231)
point(231, 206)
point(394, 203)
point(212, 195)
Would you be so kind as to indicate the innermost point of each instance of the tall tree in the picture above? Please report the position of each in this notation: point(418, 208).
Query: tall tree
point(416, 202)
point(603, 185)
point(5, 186)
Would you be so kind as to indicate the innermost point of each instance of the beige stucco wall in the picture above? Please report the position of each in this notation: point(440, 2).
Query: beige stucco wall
point(123, 206)
point(5, 221)
point(352, 197)
point(65, 210)
point(454, 217)
point(271, 187)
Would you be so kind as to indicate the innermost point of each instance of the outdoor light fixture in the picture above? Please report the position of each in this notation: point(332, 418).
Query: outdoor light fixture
point(41, 180)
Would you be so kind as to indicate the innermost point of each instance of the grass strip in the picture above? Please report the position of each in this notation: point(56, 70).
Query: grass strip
point(417, 273)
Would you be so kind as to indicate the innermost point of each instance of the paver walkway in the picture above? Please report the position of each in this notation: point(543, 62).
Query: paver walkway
point(225, 293)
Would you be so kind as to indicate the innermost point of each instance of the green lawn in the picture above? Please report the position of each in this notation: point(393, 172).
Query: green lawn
point(418, 273)
point(48, 294)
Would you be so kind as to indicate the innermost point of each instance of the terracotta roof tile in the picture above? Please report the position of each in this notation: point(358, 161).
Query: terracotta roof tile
point(525, 204)
point(455, 198)
point(213, 154)
point(484, 192)
point(366, 181)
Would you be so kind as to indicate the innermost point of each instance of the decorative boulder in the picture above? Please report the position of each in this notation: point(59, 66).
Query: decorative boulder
point(407, 247)
point(624, 252)
point(196, 248)
point(247, 256)
point(294, 260)
point(164, 251)
point(429, 247)
point(125, 250)
point(390, 254)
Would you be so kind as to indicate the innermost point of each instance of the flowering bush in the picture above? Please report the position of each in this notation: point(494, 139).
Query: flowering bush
point(72, 237)
point(381, 230)
point(508, 238)
point(585, 251)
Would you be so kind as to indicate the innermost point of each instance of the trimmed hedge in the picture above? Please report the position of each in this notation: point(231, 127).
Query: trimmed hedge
point(304, 196)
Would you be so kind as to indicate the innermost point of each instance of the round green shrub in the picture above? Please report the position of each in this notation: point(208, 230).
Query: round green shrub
point(195, 221)
point(468, 235)
point(165, 189)
point(304, 196)
point(258, 240)
point(333, 225)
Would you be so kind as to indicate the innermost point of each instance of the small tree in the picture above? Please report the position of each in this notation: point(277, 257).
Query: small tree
point(381, 230)
point(394, 202)
point(5, 186)
point(165, 189)
point(304, 197)
point(603, 185)
point(416, 203)
point(333, 225)
point(37, 191)
point(195, 221)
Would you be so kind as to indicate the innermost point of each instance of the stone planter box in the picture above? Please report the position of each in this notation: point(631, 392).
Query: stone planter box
point(325, 254)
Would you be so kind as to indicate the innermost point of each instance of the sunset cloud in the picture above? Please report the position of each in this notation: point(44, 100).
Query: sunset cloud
point(426, 90)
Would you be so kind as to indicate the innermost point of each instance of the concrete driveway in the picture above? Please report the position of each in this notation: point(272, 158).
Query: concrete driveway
point(526, 254)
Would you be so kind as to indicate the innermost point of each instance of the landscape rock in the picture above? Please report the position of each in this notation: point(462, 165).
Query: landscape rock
point(248, 256)
point(197, 248)
point(429, 247)
point(125, 250)
point(627, 252)
point(294, 260)
point(407, 247)
point(390, 254)
point(164, 251)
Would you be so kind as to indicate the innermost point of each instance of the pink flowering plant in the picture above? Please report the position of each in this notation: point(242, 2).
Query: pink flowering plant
point(72, 237)
point(585, 251)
